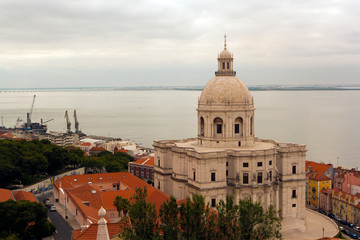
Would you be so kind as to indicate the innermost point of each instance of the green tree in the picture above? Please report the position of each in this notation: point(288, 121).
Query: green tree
point(169, 216)
point(143, 218)
point(93, 163)
point(76, 156)
point(255, 223)
point(227, 221)
point(122, 205)
point(24, 220)
point(196, 219)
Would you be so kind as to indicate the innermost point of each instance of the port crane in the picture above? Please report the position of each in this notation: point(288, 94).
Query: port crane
point(43, 122)
point(76, 122)
point(28, 122)
point(68, 123)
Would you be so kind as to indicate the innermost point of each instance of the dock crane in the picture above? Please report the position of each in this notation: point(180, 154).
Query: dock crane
point(76, 123)
point(68, 123)
point(28, 122)
point(43, 122)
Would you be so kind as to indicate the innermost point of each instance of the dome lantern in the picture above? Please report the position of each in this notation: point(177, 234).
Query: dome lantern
point(225, 62)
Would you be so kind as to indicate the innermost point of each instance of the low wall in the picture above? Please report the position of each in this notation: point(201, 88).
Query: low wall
point(47, 184)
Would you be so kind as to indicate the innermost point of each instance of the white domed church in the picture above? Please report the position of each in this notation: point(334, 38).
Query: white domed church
point(227, 158)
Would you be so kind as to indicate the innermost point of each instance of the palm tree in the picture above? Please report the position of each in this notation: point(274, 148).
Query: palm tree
point(122, 205)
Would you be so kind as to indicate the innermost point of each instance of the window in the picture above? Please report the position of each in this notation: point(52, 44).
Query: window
point(270, 175)
point(218, 122)
point(213, 202)
point(227, 172)
point(237, 128)
point(213, 177)
point(245, 164)
point(294, 169)
point(293, 195)
point(223, 65)
point(251, 126)
point(270, 163)
point(158, 184)
point(194, 176)
point(218, 128)
point(228, 65)
point(202, 126)
point(227, 164)
point(259, 164)
point(294, 205)
point(245, 178)
point(259, 177)
point(111, 215)
point(159, 162)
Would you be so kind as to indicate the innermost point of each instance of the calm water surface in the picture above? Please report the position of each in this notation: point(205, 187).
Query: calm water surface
point(326, 121)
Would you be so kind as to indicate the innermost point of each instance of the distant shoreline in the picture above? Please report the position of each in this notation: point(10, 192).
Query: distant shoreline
point(187, 88)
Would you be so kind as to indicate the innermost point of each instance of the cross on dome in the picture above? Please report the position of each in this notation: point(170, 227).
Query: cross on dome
point(225, 42)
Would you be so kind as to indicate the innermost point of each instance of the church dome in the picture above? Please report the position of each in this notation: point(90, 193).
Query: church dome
point(225, 90)
point(225, 54)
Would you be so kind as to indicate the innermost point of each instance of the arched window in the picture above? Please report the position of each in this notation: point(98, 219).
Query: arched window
point(251, 126)
point(201, 126)
point(239, 126)
point(228, 65)
point(218, 125)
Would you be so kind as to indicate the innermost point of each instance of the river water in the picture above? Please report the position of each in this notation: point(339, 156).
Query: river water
point(326, 121)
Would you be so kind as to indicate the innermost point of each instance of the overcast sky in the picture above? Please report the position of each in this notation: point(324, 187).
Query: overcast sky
point(113, 43)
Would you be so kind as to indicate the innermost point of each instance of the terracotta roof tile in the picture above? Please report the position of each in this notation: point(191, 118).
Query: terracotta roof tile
point(149, 161)
point(79, 189)
point(7, 135)
point(5, 194)
point(85, 144)
point(22, 195)
point(97, 149)
point(122, 150)
point(91, 232)
point(320, 168)
point(109, 197)
point(317, 177)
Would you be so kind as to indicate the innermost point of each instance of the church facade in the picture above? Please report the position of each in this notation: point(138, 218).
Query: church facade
point(227, 158)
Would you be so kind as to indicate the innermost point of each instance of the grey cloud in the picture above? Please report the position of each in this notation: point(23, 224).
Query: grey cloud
point(71, 38)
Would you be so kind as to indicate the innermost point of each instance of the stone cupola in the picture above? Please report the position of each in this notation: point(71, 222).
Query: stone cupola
point(225, 108)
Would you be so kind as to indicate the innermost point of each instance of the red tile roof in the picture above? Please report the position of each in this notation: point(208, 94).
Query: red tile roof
point(7, 135)
point(5, 194)
point(320, 168)
point(109, 197)
point(85, 144)
point(91, 232)
point(79, 190)
point(149, 161)
point(121, 150)
point(317, 177)
point(22, 195)
point(86, 193)
point(97, 149)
